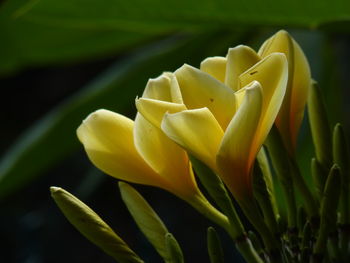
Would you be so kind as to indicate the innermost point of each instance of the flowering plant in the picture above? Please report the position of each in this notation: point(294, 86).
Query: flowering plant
point(229, 124)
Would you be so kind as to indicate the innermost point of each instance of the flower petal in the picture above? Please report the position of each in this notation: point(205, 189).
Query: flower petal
point(215, 66)
point(168, 159)
point(272, 74)
point(239, 59)
point(154, 110)
point(197, 131)
point(239, 147)
point(292, 110)
point(200, 90)
point(108, 140)
point(164, 88)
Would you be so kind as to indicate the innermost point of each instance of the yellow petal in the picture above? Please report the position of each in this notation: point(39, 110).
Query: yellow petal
point(239, 59)
point(108, 140)
point(165, 157)
point(164, 88)
point(200, 90)
point(272, 74)
point(300, 89)
point(239, 148)
point(197, 131)
point(292, 110)
point(215, 66)
point(154, 110)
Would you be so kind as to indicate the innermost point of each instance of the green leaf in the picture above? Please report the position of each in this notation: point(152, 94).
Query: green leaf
point(53, 137)
point(49, 31)
point(32, 43)
point(174, 250)
point(146, 219)
point(179, 14)
point(215, 251)
point(90, 225)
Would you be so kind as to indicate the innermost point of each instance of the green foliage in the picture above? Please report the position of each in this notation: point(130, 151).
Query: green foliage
point(47, 31)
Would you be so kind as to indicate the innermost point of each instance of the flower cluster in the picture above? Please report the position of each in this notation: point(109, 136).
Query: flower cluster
point(218, 122)
point(220, 113)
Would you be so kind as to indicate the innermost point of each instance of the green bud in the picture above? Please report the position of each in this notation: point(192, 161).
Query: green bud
point(146, 218)
point(215, 251)
point(319, 177)
point(320, 129)
point(341, 158)
point(90, 225)
point(263, 195)
point(174, 250)
point(280, 161)
point(329, 206)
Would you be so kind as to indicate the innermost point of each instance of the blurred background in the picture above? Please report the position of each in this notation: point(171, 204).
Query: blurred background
point(61, 60)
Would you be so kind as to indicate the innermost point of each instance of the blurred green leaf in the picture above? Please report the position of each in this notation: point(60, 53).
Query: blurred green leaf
point(46, 31)
point(31, 43)
point(53, 137)
point(155, 15)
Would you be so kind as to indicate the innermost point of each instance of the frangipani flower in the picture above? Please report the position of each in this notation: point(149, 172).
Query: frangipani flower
point(223, 128)
point(139, 152)
point(292, 111)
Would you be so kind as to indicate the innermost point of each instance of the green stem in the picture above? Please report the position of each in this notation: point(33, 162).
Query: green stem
point(247, 250)
point(244, 247)
point(201, 204)
point(270, 241)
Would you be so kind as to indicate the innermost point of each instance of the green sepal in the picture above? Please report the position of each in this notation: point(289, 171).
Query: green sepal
point(215, 250)
point(216, 189)
point(173, 249)
point(329, 206)
point(90, 225)
point(319, 177)
point(263, 196)
point(341, 157)
point(320, 128)
point(146, 219)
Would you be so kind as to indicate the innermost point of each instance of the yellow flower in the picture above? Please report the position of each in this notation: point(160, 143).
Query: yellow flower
point(231, 104)
point(292, 111)
point(139, 152)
